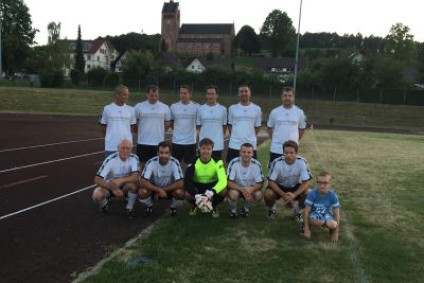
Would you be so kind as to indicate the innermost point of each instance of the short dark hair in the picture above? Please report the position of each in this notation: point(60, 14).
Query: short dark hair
point(206, 141)
point(187, 87)
point(324, 174)
point(151, 87)
point(212, 86)
point(119, 89)
point(244, 85)
point(287, 89)
point(246, 144)
point(291, 144)
point(165, 144)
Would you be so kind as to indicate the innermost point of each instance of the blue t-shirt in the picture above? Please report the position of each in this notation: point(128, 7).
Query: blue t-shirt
point(322, 205)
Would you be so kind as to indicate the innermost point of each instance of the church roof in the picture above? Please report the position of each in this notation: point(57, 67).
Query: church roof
point(170, 7)
point(207, 29)
point(199, 40)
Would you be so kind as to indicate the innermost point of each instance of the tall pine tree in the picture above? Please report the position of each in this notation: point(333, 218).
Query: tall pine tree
point(79, 56)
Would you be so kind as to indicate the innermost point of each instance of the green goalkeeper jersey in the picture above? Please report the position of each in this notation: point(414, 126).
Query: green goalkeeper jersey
point(210, 172)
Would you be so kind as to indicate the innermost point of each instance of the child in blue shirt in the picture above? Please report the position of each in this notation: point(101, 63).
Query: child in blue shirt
point(322, 208)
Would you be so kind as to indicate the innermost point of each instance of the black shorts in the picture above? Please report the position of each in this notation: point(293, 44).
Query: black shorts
point(184, 151)
point(201, 188)
point(145, 152)
point(287, 190)
point(233, 153)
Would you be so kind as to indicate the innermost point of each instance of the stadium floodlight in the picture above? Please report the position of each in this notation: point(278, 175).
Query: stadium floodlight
point(296, 62)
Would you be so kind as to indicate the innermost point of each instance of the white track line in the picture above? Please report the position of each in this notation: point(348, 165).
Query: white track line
point(359, 273)
point(45, 145)
point(46, 202)
point(48, 162)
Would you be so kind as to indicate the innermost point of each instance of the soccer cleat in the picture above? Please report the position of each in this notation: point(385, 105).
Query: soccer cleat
point(173, 212)
point(233, 215)
point(271, 214)
point(129, 213)
point(105, 209)
point(298, 215)
point(193, 211)
point(302, 230)
point(244, 213)
point(215, 213)
point(149, 210)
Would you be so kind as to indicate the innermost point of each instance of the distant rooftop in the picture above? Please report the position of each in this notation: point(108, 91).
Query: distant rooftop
point(207, 29)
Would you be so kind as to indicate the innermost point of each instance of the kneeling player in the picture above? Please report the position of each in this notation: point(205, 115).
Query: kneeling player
point(162, 178)
point(206, 176)
point(118, 175)
point(245, 180)
point(322, 208)
point(288, 178)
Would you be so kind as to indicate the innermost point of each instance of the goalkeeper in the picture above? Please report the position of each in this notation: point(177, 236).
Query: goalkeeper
point(206, 178)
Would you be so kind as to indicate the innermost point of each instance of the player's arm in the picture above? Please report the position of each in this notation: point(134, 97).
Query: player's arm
point(304, 186)
point(167, 125)
point(222, 178)
point(234, 186)
point(257, 130)
point(103, 129)
point(134, 129)
point(132, 178)
point(230, 127)
point(270, 131)
point(108, 186)
point(307, 232)
point(256, 187)
point(174, 186)
point(147, 184)
point(273, 185)
point(335, 234)
point(224, 129)
point(301, 133)
point(198, 127)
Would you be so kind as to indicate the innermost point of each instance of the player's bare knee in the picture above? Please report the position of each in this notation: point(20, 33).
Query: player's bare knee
point(257, 196)
point(143, 193)
point(132, 187)
point(331, 224)
point(315, 222)
point(233, 195)
point(179, 194)
point(269, 194)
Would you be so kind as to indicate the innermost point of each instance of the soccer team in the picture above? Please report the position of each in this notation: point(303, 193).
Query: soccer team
point(186, 170)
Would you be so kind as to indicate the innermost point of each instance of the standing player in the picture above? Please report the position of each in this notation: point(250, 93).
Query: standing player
point(206, 175)
point(245, 180)
point(212, 121)
point(118, 175)
point(244, 122)
point(183, 114)
point(154, 119)
point(286, 122)
point(288, 178)
point(162, 178)
point(323, 208)
point(118, 120)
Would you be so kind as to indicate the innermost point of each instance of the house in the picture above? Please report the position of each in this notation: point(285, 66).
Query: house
point(196, 66)
point(198, 39)
point(98, 53)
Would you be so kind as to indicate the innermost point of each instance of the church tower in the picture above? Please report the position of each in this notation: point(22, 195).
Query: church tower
point(170, 24)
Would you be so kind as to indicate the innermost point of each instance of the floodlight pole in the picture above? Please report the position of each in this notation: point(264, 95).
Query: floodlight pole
point(297, 48)
point(1, 28)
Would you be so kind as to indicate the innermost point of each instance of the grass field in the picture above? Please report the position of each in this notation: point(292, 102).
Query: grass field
point(378, 178)
point(76, 101)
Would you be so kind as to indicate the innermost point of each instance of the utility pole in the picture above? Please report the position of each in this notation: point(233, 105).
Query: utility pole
point(1, 29)
point(297, 49)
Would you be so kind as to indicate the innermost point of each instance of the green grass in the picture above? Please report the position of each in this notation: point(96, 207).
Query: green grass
point(77, 101)
point(378, 178)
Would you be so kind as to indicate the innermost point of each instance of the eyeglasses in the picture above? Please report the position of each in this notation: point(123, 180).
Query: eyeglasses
point(322, 183)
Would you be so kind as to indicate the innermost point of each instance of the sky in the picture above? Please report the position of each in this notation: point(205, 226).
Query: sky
point(101, 18)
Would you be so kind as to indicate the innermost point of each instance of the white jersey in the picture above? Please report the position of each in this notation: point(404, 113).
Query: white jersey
point(245, 176)
point(212, 119)
point(118, 121)
point(243, 121)
point(289, 175)
point(184, 117)
point(114, 167)
point(151, 122)
point(162, 175)
point(285, 125)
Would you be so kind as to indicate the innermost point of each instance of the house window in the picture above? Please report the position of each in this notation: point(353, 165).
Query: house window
point(88, 57)
point(98, 58)
point(192, 66)
point(88, 67)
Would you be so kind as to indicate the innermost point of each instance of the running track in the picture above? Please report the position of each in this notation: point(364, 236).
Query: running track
point(52, 160)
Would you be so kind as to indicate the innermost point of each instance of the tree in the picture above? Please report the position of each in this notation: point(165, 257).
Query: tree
point(247, 40)
point(57, 58)
point(79, 64)
point(279, 33)
point(136, 67)
point(17, 34)
point(420, 63)
point(399, 42)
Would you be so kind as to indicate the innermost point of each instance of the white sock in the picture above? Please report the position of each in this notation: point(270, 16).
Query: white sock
point(247, 205)
point(103, 202)
point(175, 203)
point(233, 205)
point(132, 197)
point(147, 201)
point(272, 208)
